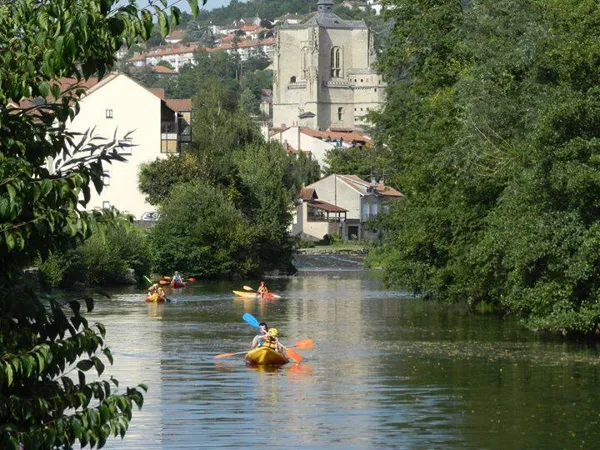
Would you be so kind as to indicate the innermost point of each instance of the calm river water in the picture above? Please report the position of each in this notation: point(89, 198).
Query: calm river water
point(387, 371)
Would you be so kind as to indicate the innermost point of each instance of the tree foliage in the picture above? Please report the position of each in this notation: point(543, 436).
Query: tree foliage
point(365, 161)
point(493, 124)
point(257, 179)
point(40, 212)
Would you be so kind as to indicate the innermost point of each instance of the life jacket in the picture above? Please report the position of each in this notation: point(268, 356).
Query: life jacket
point(270, 343)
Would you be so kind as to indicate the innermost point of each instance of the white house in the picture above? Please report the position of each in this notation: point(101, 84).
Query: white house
point(376, 6)
point(340, 204)
point(149, 126)
point(318, 143)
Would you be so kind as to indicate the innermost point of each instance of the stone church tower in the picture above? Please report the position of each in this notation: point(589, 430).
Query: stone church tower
point(322, 75)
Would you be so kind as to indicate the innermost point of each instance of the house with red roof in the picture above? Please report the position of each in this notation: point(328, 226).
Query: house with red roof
point(342, 205)
point(145, 126)
point(318, 143)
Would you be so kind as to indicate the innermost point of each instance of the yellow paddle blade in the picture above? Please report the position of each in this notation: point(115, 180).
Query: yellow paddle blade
point(248, 288)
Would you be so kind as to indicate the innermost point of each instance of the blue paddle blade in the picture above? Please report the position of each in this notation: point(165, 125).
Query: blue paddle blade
point(251, 320)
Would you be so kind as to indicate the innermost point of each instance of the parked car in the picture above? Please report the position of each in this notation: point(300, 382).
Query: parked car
point(150, 216)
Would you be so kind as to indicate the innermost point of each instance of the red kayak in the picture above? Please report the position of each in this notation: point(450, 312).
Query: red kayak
point(177, 284)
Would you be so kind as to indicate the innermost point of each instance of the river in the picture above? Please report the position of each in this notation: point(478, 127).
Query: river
point(387, 371)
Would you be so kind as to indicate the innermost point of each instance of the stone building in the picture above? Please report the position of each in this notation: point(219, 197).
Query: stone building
point(322, 73)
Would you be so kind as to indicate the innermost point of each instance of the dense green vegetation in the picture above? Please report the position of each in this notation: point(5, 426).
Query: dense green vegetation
point(225, 202)
point(42, 346)
point(493, 120)
point(366, 162)
point(104, 259)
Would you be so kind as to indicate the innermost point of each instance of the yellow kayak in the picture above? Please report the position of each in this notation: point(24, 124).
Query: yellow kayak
point(154, 298)
point(245, 294)
point(266, 356)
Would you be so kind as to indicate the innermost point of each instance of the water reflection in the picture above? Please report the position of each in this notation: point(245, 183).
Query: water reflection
point(387, 371)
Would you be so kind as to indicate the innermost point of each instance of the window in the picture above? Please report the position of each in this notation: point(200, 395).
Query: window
point(304, 63)
point(125, 146)
point(375, 89)
point(336, 62)
point(109, 113)
point(292, 79)
point(106, 178)
point(105, 204)
point(340, 113)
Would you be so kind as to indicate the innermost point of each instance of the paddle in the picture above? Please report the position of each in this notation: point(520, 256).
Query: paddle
point(251, 320)
point(292, 354)
point(248, 288)
point(151, 283)
point(308, 343)
point(227, 355)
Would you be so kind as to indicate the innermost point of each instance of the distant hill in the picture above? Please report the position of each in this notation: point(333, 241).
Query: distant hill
point(265, 9)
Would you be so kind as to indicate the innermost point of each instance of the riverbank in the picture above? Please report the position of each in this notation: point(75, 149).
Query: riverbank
point(335, 249)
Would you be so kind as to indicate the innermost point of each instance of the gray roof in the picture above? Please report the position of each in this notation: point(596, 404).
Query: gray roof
point(327, 19)
point(330, 20)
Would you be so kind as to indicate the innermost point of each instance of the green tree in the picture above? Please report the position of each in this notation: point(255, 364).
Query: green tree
point(501, 170)
point(305, 170)
point(40, 405)
point(201, 230)
point(166, 64)
point(269, 186)
point(249, 103)
point(365, 161)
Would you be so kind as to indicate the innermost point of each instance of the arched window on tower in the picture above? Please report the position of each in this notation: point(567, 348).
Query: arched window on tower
point(304, 63)
point(336, 62)
point(340, 114)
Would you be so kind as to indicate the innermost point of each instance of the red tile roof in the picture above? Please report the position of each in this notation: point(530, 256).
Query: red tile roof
point(159, 92)
point(327, 206)
point(364, 186)
point(179, 104)
point(308, 194)
point(387, 191)
point(331, 135)
point(176, 34)
point(162, 70)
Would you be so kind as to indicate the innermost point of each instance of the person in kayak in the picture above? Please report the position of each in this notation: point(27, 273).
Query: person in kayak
point(156, 289)
point(272, 341)
point(262, 289)
point(261, 337)
point(177, 278)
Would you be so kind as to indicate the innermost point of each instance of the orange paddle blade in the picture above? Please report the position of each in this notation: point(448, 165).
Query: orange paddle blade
point(293, 355)
point(305, 345)
point(166, 277)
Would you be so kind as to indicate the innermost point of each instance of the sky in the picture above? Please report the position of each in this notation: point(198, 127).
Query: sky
point(183, 5)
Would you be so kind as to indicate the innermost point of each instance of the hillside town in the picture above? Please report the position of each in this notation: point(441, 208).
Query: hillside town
point(345, 224)
point(318, 102)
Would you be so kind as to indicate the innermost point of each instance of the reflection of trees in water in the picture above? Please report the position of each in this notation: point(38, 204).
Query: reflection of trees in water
point(343, 262)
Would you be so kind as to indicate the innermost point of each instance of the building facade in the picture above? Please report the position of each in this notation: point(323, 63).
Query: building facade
point(341, 204)
point(323, 68)
point(144, 124)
